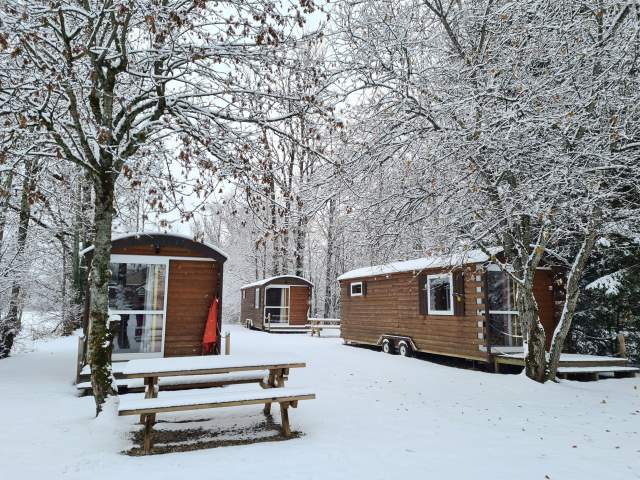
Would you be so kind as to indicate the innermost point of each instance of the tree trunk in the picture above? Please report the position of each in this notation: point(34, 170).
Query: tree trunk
point(570, 302)
point(329, 275)
point(100, 338)
point(535, 359)
point(5, 195)
point(11, 324)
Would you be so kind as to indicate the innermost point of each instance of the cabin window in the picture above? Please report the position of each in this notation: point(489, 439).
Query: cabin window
point(256, 299)
point(440, 294)
point(244, 294)
point(356, 289)
point(137, 297)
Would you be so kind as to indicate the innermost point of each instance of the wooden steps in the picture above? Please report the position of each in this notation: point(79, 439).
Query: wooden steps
point(579, 367)
point(286, 328)
point(594, 372)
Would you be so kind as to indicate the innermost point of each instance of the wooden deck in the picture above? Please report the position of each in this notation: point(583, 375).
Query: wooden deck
point(580, 367)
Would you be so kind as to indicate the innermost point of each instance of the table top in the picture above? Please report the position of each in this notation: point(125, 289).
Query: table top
point(205, 365)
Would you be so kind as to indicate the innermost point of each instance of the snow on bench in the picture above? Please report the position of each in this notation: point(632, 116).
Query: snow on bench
point(210, 364)
point(149, 407)
point(210, 399)
point(188, 381)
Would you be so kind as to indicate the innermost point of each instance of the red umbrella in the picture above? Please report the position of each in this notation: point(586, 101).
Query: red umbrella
point(211, 329)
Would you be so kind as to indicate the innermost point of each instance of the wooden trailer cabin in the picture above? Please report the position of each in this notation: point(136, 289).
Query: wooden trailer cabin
point(455, 305)
point(161, 290)
point(276, 304)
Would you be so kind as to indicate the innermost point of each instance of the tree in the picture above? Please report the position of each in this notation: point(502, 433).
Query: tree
point(100, 83)
point(499, 124)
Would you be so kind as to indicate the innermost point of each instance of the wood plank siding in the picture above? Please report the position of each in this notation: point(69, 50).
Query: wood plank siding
point(192, 287)
point(391, 306)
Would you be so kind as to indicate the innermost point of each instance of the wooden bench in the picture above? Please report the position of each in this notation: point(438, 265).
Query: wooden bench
point(149, 407)
point(185, 382)
point(316, 325)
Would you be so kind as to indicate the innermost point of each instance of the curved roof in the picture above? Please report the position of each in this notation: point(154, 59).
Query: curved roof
point(441, 261)
point(166, 239)
point(265, 281)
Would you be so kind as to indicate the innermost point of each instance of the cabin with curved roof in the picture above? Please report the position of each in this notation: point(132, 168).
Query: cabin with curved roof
point(279, 303)
point(161, 290)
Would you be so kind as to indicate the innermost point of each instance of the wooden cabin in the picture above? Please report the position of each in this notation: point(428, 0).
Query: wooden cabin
point(456, 305)
point(161, 289)
point(278, 303)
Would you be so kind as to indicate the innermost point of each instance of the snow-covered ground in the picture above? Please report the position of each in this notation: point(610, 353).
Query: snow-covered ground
point(375, 417)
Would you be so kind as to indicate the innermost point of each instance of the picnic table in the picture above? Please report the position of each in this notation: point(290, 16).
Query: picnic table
point(153, 369)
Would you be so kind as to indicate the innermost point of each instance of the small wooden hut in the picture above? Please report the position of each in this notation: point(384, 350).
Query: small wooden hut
point(456, 305)
point(161, 289)
point(276, 304)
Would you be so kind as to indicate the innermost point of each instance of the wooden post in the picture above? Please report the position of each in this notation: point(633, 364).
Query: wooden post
point(284, 413)
point(148, 429)
point(270, 384)
point(150, 391)
point(80, 358)
point(622, 347)
point(227, 343)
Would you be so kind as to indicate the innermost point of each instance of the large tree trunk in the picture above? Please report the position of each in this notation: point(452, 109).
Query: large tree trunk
point(5, 195)
point(570, 302)
point(100, 338)
point(535, 352)
point(11, 324)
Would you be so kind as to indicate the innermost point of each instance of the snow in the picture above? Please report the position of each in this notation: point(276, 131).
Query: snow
point(375, 416)
point(209, 395)
point(140, 234)
point(419, 264)
point(180, 364)
point(609, 283)
point(571, 357)
point(264, 281)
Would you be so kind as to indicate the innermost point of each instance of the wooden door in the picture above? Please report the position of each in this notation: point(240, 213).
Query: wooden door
point(543, 292)
point(192, 287)
point(299, 297)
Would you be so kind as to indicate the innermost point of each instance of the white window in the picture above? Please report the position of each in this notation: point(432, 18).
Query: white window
point(244, 294)
point(257, 298)
point(356, 289)
point(440, 294)
point(137, 295)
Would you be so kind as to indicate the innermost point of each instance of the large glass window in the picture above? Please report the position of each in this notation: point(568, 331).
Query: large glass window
point(439, 294)
point(277, 304)
point(504, 326)
point(137, 297)
point(136, 286)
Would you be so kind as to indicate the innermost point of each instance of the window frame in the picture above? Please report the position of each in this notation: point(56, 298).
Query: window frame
point(144, 260)
point(256, 298)
point(449, 277)
point(361, 294)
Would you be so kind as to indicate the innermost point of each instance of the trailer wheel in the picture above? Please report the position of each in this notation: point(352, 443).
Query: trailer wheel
point(387, 346)
point(404, 349)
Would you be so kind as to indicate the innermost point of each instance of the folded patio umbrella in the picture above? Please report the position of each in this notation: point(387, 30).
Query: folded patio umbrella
point(211, 329)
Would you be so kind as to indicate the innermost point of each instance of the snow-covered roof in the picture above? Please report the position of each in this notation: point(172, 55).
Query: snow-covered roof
point(264, 281)
point(159, 234)
point(433, 261)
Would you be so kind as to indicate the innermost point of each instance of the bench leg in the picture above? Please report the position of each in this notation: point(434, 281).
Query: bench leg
point(270, 384)
point(284, 414)
point(148, 429)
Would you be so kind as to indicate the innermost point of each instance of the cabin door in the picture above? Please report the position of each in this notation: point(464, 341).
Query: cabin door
point(276, 304)
point(299, 311)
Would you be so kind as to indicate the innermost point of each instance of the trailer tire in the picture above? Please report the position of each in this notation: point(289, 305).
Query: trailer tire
point(404, 349)
point(387, 346)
